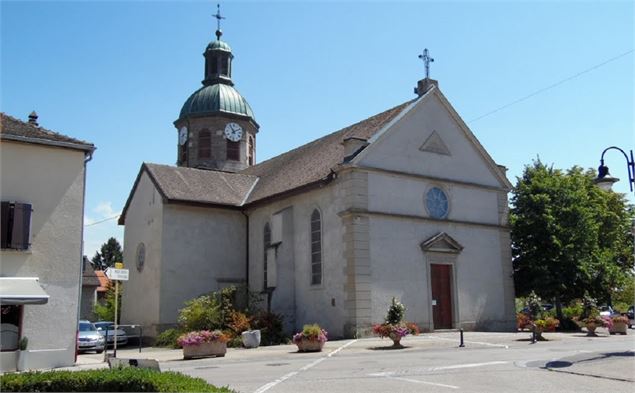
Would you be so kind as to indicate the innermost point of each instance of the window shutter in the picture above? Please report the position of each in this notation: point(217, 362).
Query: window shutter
point(21, 226)
point(6, 217)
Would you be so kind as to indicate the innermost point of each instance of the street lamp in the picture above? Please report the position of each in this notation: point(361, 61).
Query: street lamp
point(605, 180)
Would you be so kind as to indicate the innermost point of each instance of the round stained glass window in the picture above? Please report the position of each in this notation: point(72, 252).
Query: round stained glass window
point(437, 203)
point(141, 256)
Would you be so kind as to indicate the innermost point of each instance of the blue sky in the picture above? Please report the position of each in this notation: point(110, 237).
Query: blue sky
point(116, 74)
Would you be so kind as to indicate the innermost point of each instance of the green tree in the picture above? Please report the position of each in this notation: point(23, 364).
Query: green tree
point(111, 252)
point(569, 238)
point(106, 311)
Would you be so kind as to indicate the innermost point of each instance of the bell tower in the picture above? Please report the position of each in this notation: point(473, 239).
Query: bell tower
point(216, 127)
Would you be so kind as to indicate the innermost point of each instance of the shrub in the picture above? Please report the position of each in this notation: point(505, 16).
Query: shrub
point(168, 338)
point(568, 325)
point(522, 321)
point(311, 332)
point(396, 312)
point(413, 328)
point(574, 310)
point(127, 379)
point(202, 313)
point(238, 322)
point(548, 324)
point(271, 328)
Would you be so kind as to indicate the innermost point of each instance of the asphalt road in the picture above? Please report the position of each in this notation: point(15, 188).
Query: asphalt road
point(490, 362)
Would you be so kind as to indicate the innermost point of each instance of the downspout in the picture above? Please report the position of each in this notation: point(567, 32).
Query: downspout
point(246, 255)
point(87, 157)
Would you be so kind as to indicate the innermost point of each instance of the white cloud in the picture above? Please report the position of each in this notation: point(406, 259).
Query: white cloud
point(100, 226)
point(105, 209)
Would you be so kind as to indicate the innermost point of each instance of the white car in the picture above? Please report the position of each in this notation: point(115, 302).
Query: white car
point(89, 338)
point(107, 329)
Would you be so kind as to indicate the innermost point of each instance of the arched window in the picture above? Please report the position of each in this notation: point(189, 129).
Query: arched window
point(233, 150)
point(266, 244)
point(204, 144)
point(316, 248)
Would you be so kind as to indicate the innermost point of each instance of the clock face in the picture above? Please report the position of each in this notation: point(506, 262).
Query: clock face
point(233, 132)
point(182, 135)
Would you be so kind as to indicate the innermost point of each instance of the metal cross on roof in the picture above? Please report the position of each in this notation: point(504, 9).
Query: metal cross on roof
point(218, 16)
point(427, 60)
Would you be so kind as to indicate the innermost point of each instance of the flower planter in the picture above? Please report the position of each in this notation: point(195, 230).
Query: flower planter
point(396, 340)
point(305, 345)
point(590, 328)
point(251, 338)
point(619, 327)
point(216, 348)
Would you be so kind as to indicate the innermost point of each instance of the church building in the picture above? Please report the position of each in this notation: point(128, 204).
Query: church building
point(406, 203)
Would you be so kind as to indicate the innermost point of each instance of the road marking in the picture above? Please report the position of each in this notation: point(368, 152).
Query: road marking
point(314, 363)
point(470, 342)
point(423, 382)
point(468, 365)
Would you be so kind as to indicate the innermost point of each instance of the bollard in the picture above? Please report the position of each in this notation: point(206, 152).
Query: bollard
point(461, 345)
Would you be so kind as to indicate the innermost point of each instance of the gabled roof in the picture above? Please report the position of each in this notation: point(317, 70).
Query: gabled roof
point(195, 186)
point(20, 131)
point(442, 242)
point(314, 161)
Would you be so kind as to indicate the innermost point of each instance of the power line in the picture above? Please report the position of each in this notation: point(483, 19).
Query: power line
point(551, 86)
point(100, 221)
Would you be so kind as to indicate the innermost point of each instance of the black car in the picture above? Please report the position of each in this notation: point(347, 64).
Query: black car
point(631, 317)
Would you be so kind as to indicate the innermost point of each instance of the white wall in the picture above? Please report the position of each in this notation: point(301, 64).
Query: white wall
point(52, 180)
point(203, 250)
point(313, 304)
point(144, 217)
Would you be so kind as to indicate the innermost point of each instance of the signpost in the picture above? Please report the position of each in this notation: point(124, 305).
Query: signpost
point(117, 274)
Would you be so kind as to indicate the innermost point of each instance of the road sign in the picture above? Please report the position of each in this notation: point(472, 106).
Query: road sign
point(117, 274)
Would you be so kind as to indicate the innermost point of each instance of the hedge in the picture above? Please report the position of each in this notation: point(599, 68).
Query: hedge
point(129, 379)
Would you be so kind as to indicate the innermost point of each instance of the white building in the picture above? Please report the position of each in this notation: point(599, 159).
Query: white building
point(42, 182)
point(406, 203)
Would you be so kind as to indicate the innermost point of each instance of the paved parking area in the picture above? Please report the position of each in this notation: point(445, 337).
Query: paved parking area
point(492, 362)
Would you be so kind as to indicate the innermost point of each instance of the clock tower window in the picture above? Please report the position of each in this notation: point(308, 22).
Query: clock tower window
point(204, 144)
point(233, 150)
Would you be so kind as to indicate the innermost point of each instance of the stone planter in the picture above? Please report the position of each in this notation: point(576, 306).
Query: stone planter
point(215, 348)
point(396, 340)
point(619, 327)
point(310, 345)
point(251, 338)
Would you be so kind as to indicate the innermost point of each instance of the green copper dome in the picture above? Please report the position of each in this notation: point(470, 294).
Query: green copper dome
point(216, 98)
point(219, 45)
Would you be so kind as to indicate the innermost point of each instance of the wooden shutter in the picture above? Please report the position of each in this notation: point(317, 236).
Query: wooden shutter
point(21, 226)
point(6, 218)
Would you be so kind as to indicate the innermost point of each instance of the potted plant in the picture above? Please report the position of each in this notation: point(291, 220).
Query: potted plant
point(592, 322)
point(311, 338)
point(22, 354)
point(620, 325)
point(394, 327)
point(547, 324)
point(203, 343)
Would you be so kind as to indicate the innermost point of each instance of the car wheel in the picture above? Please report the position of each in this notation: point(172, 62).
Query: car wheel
point(99, 351)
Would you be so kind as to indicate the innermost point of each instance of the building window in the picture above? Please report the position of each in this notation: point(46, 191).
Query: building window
point(204, 144)
point(316, 248)
point(250, 150)
point(11, 316)
point(437, 203)
point(266, 244)
point(233, 151)
point(16, 225)
point(141, 256)
point(224, 62)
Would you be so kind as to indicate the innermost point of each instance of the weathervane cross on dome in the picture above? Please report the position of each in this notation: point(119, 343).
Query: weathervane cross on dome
point(218, 17)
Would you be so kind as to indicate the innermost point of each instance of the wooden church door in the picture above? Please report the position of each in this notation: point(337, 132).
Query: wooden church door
point(441, 295)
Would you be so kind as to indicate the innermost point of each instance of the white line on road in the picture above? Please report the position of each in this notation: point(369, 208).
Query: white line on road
point(314, 363)
point(469, 365)
point(470, 342)
point(423, 382)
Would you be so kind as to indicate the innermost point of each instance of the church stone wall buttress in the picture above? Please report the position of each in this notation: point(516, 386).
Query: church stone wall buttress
point(357, 268)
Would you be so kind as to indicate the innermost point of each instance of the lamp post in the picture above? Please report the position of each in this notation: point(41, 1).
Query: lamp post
point(605, 180)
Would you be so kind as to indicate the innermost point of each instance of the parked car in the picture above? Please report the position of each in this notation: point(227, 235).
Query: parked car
point(631, 317)
point(89, 338)
point(607, 311)
point(109, 327)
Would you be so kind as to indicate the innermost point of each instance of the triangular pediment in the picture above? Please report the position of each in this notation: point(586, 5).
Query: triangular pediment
point(441, 242)
point(434, 144)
